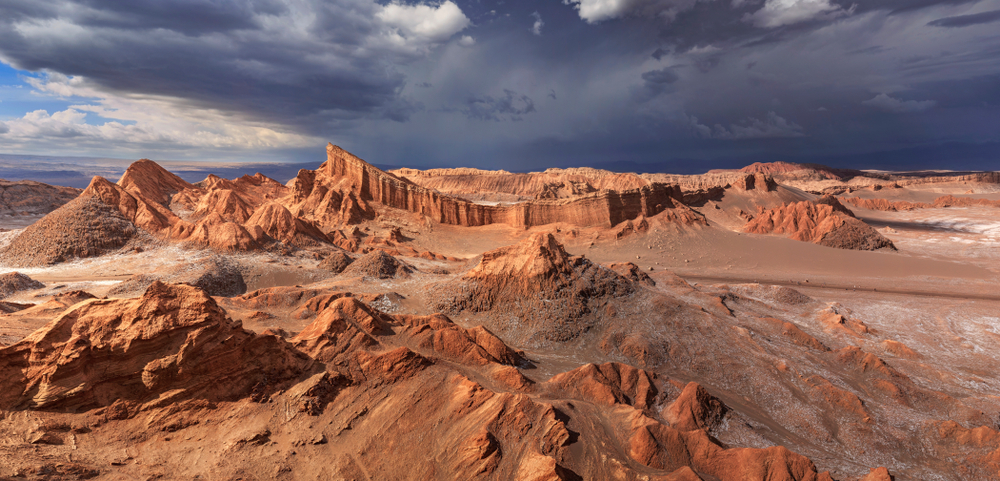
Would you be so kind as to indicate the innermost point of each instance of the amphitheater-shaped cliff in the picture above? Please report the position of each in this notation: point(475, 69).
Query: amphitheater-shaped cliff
point(344, 189)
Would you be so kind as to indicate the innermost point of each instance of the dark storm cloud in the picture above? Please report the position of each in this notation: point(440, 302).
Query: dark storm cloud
point(660, 77)
point(296, 64)
point(691, 84)
point(966, 20)
point(188, 16)
point(511, 106)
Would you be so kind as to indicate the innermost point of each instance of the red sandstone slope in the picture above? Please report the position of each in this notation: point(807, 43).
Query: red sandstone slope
point(173, 339)
point(825, 221)
point(182, 391)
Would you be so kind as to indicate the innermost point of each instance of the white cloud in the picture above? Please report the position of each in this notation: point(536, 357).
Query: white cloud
point(596, 11)
point(890, 104)
point(135, 123)
point(772, 126)
point(537, 27)
point(467, 41)
point(776, 13)
point(424, 23)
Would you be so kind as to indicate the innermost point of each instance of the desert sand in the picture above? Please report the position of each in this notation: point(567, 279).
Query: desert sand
point(779, 322)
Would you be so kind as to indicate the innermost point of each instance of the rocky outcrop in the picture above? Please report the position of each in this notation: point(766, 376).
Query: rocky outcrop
point(824, 221)
point(475, 184)
point(683, 442)
point(229, 216)
point(941, 202)
point(278, 223)
point(13, 282)
point(336, 262)
point(378, 265)
point(536, 283)
point(217, 276)
point(884, 205)
point(342, 190)
point(172, 339)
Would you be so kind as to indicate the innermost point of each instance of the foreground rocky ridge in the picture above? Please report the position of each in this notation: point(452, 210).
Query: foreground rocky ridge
point(610, 350)
point(356, 388)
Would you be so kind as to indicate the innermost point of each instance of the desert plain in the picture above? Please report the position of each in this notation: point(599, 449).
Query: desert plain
point(776, 322)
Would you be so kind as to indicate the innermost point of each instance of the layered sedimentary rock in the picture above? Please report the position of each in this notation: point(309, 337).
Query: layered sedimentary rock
point(173, 338)
point(824, 221)
point(504, 186)
point(940, 202)
point(340, 192)
point(473, 184)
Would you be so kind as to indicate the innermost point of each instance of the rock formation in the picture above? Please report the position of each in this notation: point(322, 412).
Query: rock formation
point(84, 227)
point(824, 221)
point(534, 288)
point(336, 262)
point(173, 339)
point(344, 188)
point(29, 198)
point(378, 265)
point(14, 282)
point(217, 276)
point(941, 202)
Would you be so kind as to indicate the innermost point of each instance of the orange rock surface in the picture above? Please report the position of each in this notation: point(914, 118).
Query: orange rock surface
point(825, 222)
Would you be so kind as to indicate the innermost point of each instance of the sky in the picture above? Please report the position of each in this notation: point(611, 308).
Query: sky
point(630, 85)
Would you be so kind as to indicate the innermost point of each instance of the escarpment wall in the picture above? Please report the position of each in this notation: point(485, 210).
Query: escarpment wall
point(604, 208)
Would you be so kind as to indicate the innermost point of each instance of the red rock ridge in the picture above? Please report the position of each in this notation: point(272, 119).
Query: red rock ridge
point(340, 191)
point(173, 338)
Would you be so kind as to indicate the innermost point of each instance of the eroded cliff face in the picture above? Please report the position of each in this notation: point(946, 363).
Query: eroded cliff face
point(342, 189)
